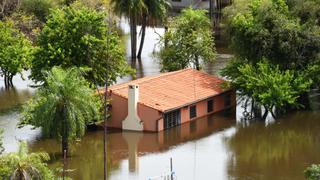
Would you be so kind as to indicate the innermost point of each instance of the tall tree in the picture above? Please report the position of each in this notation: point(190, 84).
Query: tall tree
point(77, 36)
point(132, 9)
point(23, 165)
point(15, 52)
point(63, 107)
point(188, 42)
point(154, 14)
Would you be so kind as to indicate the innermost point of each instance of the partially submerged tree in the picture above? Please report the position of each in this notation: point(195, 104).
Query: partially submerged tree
point(15, 52)
point(188, 42)
point(266, 84)
point(154, 14)
point(133, 10)
point(24, 165)
point(76, 36)
point(63, 107)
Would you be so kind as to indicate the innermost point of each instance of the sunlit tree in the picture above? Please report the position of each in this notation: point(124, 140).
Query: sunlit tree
point(15, 52)
point(63, 107)
point(23, 165)
point(188, 42)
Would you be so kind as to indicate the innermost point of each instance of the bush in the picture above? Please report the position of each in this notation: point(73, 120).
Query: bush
point(312, 172)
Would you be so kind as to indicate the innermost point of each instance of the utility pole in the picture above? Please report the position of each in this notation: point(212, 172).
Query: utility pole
point(105, 109)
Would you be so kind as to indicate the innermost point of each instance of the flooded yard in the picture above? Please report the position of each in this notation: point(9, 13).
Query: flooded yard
point(214, 147)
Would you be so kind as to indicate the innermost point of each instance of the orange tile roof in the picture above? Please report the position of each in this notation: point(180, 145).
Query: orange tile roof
point(171, 90)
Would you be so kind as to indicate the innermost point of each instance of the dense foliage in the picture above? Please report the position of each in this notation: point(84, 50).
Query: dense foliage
point(39, 8)
point(63, 107)
point(267, 84)
point(312, 172)
point(25, 165)
point(15, 52)
point(77, 36)
point(188, 42)
point(267, 28)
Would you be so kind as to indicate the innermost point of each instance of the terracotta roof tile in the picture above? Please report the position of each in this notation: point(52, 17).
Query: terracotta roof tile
point(174, 89)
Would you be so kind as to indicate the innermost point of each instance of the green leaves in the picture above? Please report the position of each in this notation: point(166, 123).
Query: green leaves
point(25, 165)
point(15, 50)
point(312, 172)
point(78, 36)
point(188, 42)
point(64, 101)
point(267, 29)
point(267, 84)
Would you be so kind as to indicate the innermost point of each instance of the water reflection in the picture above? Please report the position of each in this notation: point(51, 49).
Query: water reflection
point(129, 147)
point(282, 149)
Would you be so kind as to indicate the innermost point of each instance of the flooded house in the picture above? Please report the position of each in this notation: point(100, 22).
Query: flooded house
point(159, 102)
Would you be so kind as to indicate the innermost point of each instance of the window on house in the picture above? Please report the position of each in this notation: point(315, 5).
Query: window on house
point(193, 111)
point(171, 119)
point(210, 105)
point(227, 100)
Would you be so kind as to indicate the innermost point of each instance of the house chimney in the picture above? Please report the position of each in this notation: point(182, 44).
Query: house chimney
point(133, 122)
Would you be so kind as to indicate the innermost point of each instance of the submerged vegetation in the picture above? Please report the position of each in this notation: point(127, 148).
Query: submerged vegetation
point(24, 165)
point(71, 47)
point(188, 42)
point(279, 45)
point(63, 107)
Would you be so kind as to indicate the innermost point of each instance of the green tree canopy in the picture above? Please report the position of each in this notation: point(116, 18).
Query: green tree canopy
point(266, 28)
point(188, 42)
point(15, 52)
point(267, 84)
point(77, 36)
point(63, 107)
point(25, 165)
point(39, 8)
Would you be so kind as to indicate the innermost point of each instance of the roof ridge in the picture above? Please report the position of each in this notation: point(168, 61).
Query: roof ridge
point(148, 78)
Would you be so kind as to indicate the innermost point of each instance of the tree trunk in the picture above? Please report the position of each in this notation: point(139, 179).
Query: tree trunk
point(197, 62)
point(211, 9)
point(143, 34)
point(10, 80)
point(64, 132)
point(133, 35)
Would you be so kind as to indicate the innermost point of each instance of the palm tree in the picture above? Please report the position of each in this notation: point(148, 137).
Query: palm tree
point(155, 13)
point(22, 165)
point(132, 9)
point(63, 107)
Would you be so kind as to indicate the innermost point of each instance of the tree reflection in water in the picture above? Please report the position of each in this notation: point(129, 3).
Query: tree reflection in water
point(283, 148)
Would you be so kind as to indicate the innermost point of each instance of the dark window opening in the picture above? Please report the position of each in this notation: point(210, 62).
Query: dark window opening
point(171, 119)
point(227, 100)
point(193, 112)
point(210, 106)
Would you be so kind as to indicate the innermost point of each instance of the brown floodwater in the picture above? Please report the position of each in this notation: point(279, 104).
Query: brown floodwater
point(214, 147)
